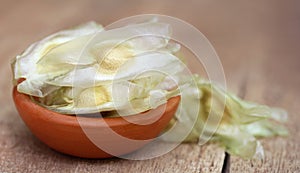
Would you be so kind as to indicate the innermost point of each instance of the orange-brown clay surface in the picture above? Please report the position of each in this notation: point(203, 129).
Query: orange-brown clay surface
point(67, 133)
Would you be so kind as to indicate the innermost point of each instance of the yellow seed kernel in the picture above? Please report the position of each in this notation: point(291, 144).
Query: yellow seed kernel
point(93, 97)
point(113, 58)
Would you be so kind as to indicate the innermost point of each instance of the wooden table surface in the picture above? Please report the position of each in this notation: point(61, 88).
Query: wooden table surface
point(258, 43)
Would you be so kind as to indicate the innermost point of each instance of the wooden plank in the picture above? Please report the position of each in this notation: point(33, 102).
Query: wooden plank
point(281, 154)
point(273, 80)
point(20, 151)
point(248, 36)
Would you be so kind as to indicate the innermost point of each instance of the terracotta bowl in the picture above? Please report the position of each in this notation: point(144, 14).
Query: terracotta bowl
point(64, 133)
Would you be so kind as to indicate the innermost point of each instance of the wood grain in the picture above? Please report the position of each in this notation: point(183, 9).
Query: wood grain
point(276, 82)
point(20, 151)
point(258, 44)
point(281, 154)
point(272, 79)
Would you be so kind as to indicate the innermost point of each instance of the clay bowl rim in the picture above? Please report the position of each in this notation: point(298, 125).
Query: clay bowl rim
point(73, 120)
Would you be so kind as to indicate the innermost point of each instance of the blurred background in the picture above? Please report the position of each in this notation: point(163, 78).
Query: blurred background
point(258, 42)
point(237, 29)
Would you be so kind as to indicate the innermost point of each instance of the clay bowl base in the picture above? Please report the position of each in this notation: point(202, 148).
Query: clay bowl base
point(113, 136)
